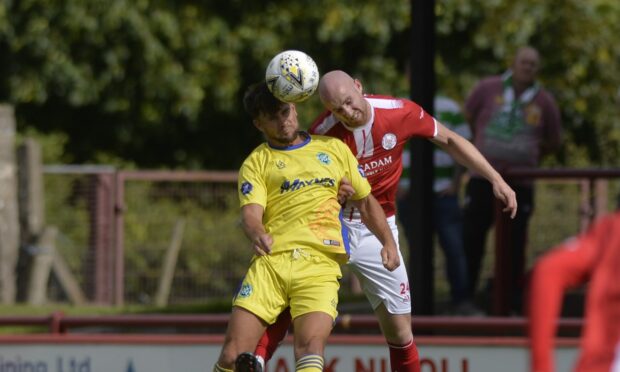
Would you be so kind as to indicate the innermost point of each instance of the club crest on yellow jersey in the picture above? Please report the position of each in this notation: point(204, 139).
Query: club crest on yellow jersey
point(245, 290)
point(246, 188)
point(323, 158)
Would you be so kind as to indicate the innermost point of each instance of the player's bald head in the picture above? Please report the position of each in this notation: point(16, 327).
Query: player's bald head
point(333, 82)
point(343, 96)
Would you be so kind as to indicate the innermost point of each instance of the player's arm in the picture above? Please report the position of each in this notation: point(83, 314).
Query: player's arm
point(552, 275)
point(374, 218)
point(371, 212)
point(252, 224)
point(567, 266)
point(466, 154)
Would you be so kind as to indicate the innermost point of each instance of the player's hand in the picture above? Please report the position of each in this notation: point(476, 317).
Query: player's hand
point(345, 190)
point(262, 244)
point(507, 195)
point(390, 257)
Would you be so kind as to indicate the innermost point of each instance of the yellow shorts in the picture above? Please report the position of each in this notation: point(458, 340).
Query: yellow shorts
point(305, 279)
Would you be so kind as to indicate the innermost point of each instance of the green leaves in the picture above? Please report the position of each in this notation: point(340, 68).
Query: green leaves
point(576, 40)
point(121, 77)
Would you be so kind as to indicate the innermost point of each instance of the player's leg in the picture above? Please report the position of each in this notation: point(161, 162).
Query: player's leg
point(388, 294)
point(272, 337)
point(244, 330)
point(311, 333)
point(396, 329)
point(313, 302)
point(395, 321)
point(257, 304)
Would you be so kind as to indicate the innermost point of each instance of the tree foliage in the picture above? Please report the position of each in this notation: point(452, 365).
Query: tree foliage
point(159, 83)
point(576, 41)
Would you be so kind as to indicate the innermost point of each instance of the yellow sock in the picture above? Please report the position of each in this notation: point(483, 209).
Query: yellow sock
point(217, 368)
point(309, 363)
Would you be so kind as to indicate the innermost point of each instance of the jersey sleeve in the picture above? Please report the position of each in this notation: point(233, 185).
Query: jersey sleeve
point(418, 123)
point(569, 265)
point(322, 123)
point(251, 184)
point(353, 171)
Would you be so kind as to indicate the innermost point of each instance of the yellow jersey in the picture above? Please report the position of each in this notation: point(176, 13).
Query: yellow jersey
point(297, 186)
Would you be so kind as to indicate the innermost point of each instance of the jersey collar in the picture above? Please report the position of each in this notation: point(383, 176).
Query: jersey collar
point(306, 140)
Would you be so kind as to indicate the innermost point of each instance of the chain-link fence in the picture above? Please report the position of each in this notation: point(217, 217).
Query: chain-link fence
point(123, 233)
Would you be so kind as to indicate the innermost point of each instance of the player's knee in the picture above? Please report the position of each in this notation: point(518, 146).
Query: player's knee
point(398, 336)
point(396, 328)
point(398, 333)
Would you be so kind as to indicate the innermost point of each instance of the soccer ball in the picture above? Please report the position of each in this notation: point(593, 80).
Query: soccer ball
point(292, 76)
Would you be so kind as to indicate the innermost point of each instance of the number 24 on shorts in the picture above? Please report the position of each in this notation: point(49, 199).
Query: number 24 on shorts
point(404, 289)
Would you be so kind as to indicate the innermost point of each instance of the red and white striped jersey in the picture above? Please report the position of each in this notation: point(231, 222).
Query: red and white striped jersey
point(378, 145)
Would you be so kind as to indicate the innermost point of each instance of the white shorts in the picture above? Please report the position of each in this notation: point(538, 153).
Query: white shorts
point(380, 285)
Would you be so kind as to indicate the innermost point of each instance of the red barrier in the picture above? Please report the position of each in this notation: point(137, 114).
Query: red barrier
point(219, 339)
point(57, 322)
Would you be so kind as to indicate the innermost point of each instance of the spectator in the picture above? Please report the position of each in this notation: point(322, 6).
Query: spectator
point(448, 218)
point(514, 121)
point(595, 257)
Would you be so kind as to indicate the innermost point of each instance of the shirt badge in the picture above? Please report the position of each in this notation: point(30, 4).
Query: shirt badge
point(323, 158)
point(389, 141)
point(246, 188)
point(245, 291)
point(280, 164)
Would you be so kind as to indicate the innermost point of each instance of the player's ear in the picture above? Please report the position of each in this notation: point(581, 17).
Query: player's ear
point(256, 123)
point(358, 85)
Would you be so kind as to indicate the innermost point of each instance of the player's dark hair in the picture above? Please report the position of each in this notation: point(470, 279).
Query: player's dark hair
point(259, 99)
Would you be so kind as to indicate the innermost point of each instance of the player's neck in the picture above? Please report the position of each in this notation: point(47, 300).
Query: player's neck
point(299, 138)
point(367, 112)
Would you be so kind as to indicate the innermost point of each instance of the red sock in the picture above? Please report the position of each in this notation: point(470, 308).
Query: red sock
point(404, 358)
point(272, 337)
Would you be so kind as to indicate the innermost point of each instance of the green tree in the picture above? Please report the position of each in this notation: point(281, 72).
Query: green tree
point(576, 41)
point(159, 83)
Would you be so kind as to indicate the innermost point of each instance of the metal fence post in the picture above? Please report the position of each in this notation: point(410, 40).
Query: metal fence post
point(119, 236)
point(101, 235)
point(9, 220)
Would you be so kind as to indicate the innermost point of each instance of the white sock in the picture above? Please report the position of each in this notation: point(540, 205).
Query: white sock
point(261, 361)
